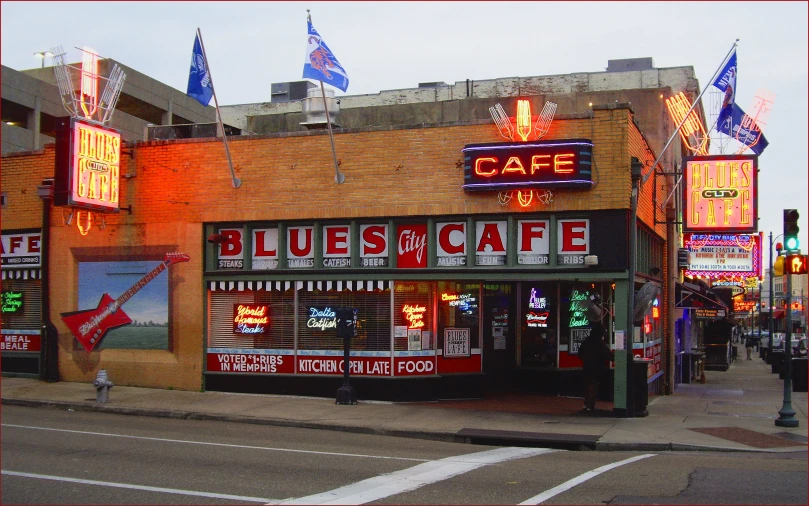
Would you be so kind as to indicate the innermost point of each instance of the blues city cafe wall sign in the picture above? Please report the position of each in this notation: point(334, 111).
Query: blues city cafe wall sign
point(526, 165)
point(88, 165)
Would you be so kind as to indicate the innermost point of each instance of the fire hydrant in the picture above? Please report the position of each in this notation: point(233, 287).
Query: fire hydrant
point(103, 385)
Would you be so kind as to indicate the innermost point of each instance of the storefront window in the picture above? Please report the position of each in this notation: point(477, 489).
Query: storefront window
point(459, 308)
point(539, 323)
point(224, 319)
point(413, 316)
point(317, 327)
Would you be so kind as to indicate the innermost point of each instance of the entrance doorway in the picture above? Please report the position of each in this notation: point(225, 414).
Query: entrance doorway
point(499, 318)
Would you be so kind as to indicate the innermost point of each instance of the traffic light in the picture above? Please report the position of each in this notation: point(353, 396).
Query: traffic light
point(791, 229)
point(795, 264)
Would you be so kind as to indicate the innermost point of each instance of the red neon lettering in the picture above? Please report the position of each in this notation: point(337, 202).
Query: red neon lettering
point(373, 239)
point(561, 164)
point(531, 231)
point(537, 165)
point(260, 244)
point(294, 242)
point(232, 245)
point(573, 236)
point(490, 237)
point(443, 238)
point(480, 161)
point(514, 165)
point(337, 241)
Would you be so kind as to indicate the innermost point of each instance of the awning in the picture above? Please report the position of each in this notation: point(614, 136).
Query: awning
point(688, 297)
point(778, 313)
point(22, 274)
point(281, 286)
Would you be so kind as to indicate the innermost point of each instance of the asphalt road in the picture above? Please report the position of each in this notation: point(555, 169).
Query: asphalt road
point(62, 457)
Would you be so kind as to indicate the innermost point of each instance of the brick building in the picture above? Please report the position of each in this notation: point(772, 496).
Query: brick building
point(456, 291)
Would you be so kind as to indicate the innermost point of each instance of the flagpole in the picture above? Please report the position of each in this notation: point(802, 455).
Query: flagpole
point(236, 181)
point(685, 118)
point(338, 178)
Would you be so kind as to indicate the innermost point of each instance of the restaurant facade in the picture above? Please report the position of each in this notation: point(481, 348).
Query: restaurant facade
point(470, 261)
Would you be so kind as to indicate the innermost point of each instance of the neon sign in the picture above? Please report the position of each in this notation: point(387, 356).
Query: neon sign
point(322, 318)
point(88, 166)
point(414, 314)
point(538, 164)
point(578, 310)
point(535, 302)
point(250, 318)
point(533, 319)
point(11, 302)
point(730, 257)
point(678, 106)
point(721, 193)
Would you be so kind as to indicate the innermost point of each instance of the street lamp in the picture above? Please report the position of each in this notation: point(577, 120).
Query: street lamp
point(637, 168)
point(43, 54)
point(49, 351)
point(772, 275)
point(786, 415)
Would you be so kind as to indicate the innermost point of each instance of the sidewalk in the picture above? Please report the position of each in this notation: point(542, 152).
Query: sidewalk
point(733, 411)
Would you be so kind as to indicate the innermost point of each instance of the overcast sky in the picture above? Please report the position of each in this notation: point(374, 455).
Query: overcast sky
point(395, 45)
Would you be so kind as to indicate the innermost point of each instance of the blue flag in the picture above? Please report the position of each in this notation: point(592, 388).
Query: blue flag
point(726, 82)
point(744, 130)
point(200, 86)
point(321, 63)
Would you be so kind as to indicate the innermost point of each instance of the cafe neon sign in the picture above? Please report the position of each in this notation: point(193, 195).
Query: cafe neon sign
point(721, 194)
point(527, 165)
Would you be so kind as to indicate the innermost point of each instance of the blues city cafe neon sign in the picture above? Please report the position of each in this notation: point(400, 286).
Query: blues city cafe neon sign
point(721, 194)
point(525, 165)
point(88, 166)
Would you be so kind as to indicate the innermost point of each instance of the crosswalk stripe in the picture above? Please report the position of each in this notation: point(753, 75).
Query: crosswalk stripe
point(544, 496)
point(386, 485)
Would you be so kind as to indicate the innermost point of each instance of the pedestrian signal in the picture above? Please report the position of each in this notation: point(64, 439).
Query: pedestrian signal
point(796, 264)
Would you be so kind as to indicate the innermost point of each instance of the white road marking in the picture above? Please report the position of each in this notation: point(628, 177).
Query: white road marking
point(386, 485)
point(213, 444)
point(544, 496)
point(142, 487)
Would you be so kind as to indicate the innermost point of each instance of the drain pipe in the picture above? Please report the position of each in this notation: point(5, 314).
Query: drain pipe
point(49, 349)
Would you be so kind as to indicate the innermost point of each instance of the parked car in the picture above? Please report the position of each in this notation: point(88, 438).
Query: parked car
point(782, 337)
point(799, 345)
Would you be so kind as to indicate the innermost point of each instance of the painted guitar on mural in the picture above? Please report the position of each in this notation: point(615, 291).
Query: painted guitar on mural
point(89, 326)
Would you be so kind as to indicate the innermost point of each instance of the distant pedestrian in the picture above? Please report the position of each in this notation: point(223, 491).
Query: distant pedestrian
point(594, 354)
point(748, 344)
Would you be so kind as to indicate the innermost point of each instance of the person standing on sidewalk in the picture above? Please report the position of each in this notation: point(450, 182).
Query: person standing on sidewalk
point(748, 344)
point(594, 354)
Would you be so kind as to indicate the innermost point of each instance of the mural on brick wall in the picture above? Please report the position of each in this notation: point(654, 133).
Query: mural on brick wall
point(144, 324)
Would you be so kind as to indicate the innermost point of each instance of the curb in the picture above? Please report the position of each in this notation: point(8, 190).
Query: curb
point(572, 444)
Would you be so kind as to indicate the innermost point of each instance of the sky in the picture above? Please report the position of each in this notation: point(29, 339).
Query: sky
point(396, 45)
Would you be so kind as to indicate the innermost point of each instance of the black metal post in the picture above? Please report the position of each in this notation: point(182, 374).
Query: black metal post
point(786, 415)
point(49, 336)
point(346, 394)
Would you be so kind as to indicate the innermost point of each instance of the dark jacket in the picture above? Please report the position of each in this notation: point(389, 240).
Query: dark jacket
point(594, 354)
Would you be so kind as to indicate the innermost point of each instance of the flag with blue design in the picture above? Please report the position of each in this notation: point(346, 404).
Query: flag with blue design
point(726, 82)
point(200, 86)
point(321, 63)
point(742, 128)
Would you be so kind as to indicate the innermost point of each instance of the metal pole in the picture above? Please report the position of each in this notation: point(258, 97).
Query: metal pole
point(636, 168)
point(786, 415)
point(338, 178)
point(49, 336)
point(772, 309)
point(236, 181)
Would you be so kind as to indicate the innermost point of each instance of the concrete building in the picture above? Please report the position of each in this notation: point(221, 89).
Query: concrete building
point(31, 102)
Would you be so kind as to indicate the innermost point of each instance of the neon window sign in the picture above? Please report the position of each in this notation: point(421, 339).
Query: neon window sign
point(577, 309)
point(536, 302)
point(537, 319)
point(251, 318)
point(321, 318)
point(414, 315)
